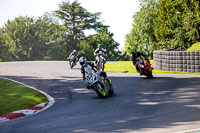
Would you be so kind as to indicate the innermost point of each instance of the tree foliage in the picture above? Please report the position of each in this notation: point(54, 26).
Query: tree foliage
point(77, 19)
point(141, 35)
point(27, 38)
point(44, 38)
point(103, 37)
point(165, 24)
point(3, 48)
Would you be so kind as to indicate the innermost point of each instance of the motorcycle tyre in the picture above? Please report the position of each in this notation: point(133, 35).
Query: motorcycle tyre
point(97, 91)
point(149, 74)
point(71, 64)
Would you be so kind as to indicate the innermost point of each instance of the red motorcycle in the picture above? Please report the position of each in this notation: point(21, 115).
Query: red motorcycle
point(144, 67)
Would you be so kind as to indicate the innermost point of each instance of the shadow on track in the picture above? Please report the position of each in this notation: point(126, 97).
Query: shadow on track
point(138, 104)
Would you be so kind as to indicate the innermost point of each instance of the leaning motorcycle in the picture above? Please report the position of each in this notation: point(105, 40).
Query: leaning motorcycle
point(144, 67)
point(72, 61)
point(101, 61)
point(98, 84)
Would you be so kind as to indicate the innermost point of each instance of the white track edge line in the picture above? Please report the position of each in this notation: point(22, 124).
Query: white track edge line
point(50, 99)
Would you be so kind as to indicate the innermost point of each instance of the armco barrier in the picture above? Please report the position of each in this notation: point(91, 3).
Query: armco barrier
point(183, 61)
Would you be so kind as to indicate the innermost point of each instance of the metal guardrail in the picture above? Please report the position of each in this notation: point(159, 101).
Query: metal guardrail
point(182, 61)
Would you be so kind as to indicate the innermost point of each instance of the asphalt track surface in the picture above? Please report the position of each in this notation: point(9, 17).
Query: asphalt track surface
point(168, 103)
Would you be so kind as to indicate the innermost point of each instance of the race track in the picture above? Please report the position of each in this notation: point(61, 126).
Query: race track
point(168, 103)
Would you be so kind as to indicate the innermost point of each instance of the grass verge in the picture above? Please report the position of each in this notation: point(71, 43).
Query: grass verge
point(14, 96)
point(128, 67)
point(194, 47)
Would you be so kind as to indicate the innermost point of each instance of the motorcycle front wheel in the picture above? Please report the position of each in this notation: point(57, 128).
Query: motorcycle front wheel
point(100, 90)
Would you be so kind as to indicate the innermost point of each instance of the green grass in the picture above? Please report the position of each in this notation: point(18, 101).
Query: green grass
point(128, 67)
point(194, 47)
point(14, 96)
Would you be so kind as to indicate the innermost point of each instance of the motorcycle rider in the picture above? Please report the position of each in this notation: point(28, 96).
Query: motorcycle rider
point(134, 55)
point(88, 67)
point(74, 52)
point(98, 50)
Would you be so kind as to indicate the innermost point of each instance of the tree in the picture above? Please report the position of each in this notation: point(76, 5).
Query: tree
point(17, 37)
point(77, 19)
point(188, 21)
point(142, 34)
point(158, 26)
point(28, 38)
point(191, 22)
point(44, 32)
point(103, 37)
point(3, 48)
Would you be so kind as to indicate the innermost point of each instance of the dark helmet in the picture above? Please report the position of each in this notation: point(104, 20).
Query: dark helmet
point(82, 61)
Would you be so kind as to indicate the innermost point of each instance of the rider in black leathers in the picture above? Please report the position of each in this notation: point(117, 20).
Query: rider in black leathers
point(134, 56)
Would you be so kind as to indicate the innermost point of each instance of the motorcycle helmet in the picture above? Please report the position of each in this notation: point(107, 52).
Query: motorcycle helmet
point(133, 50)
point(82, 61)
point(99, 45)
point(74, 51)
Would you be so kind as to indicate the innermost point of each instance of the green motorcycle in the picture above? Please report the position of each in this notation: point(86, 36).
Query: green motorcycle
point(99, 85)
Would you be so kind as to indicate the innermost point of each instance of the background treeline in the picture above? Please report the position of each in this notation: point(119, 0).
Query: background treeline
point(158, 24)
point(55, 35)
point(165, 24)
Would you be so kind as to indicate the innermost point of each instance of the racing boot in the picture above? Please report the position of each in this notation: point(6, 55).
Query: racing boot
point(110, 84)
point(111, 87)
point(140, 73)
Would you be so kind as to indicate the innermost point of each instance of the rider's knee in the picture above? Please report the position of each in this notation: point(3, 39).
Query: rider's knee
point(103, 74)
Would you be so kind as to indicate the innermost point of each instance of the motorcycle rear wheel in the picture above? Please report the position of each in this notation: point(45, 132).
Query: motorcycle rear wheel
point(71, 64)
point(149, 74)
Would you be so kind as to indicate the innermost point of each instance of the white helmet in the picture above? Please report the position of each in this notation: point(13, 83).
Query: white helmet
point(74, 51)
point(82, 61)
